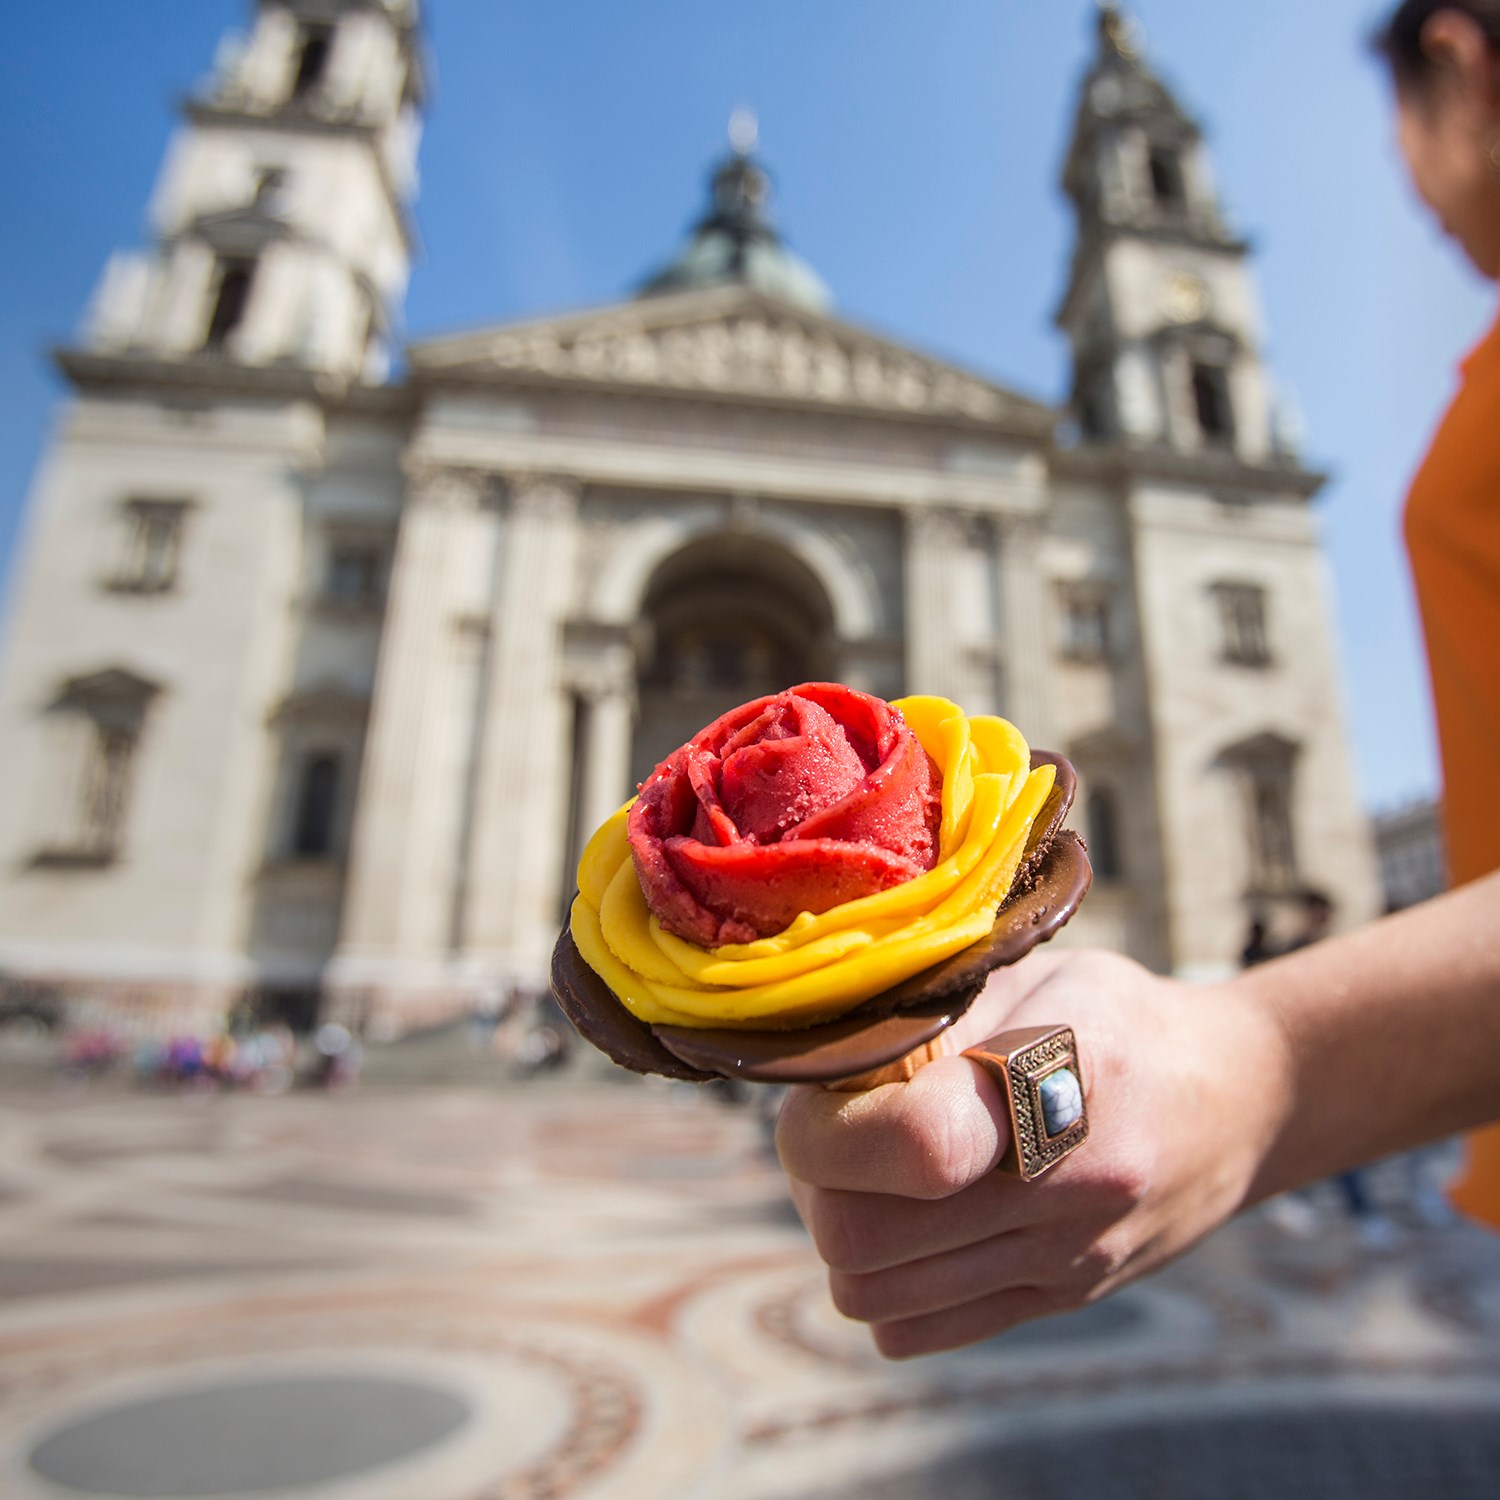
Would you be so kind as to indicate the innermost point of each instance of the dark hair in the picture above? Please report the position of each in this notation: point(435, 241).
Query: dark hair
point(1399, 41)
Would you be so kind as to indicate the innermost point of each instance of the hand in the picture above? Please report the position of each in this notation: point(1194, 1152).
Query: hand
point(1187, 1086)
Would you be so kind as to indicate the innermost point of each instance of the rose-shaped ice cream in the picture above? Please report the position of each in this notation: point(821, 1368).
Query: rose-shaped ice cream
point(830, 954)
point(793, 803)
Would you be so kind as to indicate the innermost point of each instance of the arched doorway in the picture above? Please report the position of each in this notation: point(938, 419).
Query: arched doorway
point(728, 618)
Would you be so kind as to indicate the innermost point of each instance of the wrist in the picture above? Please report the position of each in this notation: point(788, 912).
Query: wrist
point(1259, 1057)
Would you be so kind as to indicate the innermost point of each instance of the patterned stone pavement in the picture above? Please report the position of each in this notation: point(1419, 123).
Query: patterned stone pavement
point(596, 1289)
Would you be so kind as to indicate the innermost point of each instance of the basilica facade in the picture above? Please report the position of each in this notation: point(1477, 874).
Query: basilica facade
point(326, 656)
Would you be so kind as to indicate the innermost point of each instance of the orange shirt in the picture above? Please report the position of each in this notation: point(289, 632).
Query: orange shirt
point(1453, 536)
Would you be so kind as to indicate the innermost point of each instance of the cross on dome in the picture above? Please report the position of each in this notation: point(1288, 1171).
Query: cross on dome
point(744, 130)
point(1119, 32)
point(735, 241)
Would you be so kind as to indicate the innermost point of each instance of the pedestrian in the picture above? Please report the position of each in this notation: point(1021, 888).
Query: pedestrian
point(1350, 1049)
point(1258, 947)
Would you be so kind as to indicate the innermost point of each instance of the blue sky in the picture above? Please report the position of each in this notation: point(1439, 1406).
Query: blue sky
point(915, 150)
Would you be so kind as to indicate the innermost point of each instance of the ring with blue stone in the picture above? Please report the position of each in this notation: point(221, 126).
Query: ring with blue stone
point(1038, 1073)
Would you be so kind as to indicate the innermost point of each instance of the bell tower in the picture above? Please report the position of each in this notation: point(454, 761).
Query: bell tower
point(280, 225)
point(1227, 679)
point(1160, 308)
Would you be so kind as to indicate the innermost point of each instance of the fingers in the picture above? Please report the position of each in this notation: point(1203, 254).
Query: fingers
point(859, 1233)
point(927, 1139)
point(942, 1282)
point(956, 1327)
point(862, 1232)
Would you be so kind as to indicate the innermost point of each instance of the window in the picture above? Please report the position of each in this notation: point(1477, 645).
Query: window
point(1211, 403)
point(1095, 406)
point(1264, 766)
point(355, 577)
point(231, 298)
point(1085, 622)
point(1273, 861)
point(99, 720)
point(317, 807)
point(106, 777)
point(314, 43)
point(1167, 185)
point(152, 543)
point(1103, 834)
point(1091, 420)
point(1242, 624)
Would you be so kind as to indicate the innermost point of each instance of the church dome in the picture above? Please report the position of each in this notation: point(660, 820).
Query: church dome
point(735, 242)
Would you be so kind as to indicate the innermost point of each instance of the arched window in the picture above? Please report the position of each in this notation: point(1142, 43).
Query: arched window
point(230, 301)
point(1211, 403)
point(317, 802)
point(1104, 835)
point(313, 46)
point(1167, 185)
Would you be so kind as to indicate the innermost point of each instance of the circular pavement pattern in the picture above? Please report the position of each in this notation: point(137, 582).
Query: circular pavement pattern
point(249, 1437)
point(1374, 1452)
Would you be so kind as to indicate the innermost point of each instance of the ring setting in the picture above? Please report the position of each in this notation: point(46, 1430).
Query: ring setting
point(1038, 1073)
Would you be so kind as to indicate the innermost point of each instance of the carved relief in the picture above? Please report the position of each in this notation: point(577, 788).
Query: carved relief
point(946, 528)
point(749, 355)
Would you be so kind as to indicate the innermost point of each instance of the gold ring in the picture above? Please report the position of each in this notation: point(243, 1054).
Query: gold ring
point(1037, 1070)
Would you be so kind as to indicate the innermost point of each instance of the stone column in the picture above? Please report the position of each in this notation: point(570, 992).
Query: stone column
point(951, 625)
point(400, 874)
point(605, 782)
point(935, 646)
point(1026, 609)
point(514, 891)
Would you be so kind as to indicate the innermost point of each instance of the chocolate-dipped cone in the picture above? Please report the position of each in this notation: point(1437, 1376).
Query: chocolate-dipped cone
point(886, 1037)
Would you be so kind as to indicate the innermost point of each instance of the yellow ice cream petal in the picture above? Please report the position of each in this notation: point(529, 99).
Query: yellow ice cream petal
point(705, 966)
point(830, 991)
point(633, 992)
point(1001, 746)
point(603, 855)
point(625, 921)
point(942, 729)
point(1010, 839)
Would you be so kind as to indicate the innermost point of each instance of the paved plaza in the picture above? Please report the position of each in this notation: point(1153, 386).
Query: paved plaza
point(594, 1287)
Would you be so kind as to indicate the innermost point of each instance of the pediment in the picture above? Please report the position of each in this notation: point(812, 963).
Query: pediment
point(731, 341)
point(111, 685)
point(1267, 749)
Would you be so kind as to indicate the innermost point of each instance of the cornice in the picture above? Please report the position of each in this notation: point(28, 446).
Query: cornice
point(1121, 464)
point(213, 375)
point(1034, 431)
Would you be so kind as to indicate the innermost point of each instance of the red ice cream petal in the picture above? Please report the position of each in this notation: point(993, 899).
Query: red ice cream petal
point(797, 802)
point(751, 892)
point(871, 724)
point(898, 806)
point(804, 764)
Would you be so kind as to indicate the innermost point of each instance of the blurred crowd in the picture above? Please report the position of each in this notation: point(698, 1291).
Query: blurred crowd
point(256, 1059)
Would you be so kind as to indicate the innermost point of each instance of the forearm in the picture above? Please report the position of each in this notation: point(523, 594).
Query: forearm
point(1392, 1035)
